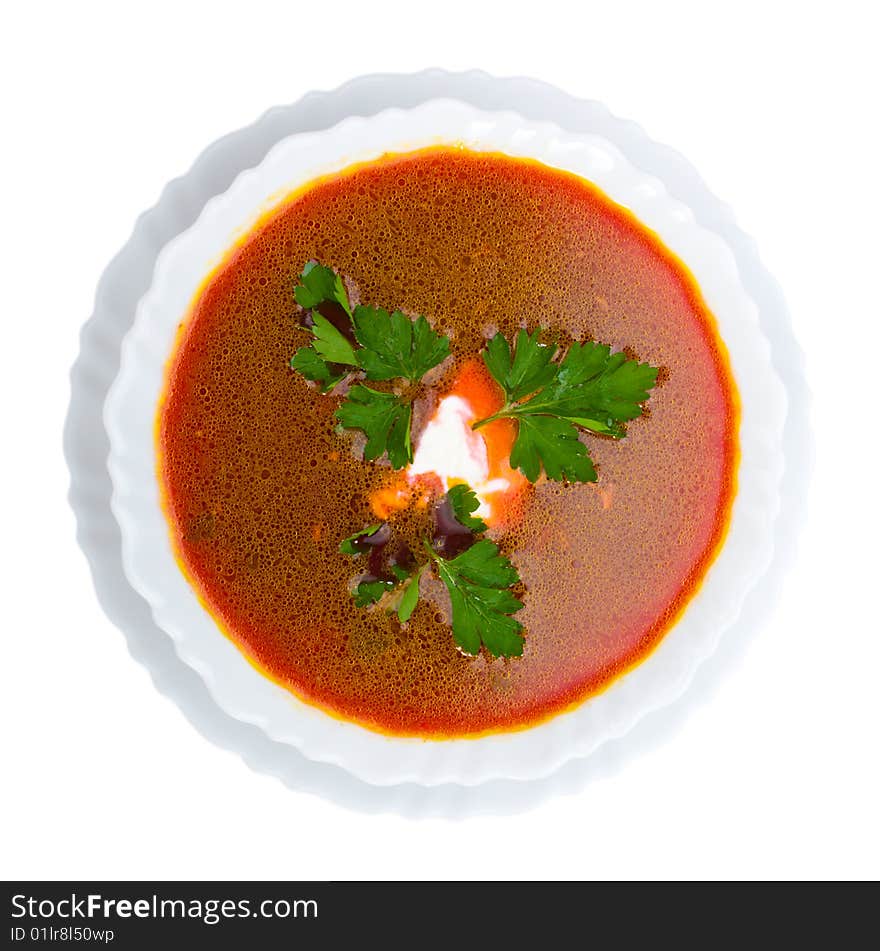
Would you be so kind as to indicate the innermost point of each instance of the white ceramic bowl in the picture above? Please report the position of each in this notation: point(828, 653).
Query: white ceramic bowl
point(235, 685)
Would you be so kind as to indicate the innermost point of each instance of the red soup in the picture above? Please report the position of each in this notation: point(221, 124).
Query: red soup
point(260, 484)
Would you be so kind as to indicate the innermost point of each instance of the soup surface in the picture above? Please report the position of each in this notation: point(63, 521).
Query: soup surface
point(260, 487)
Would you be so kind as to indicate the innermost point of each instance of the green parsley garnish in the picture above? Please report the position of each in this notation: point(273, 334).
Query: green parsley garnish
point(463, 501)
point(527, 370)
point(391, 346)
point(349, 546)
point(330, 344)
point(410, 597)
point(395, 346)
point(369, 592)
point(591, 388)
point(307, 362)
point(319, 284)
point(328, 347)
point(384, 419)
point(478, 581)
point(329, 351)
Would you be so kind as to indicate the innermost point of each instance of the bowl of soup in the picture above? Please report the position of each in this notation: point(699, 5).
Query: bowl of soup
point(236, 483)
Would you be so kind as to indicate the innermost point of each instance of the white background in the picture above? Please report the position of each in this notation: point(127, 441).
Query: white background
point(775, 104)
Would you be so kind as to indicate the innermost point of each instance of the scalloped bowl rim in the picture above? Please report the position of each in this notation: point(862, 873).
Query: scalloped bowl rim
point(244, 693)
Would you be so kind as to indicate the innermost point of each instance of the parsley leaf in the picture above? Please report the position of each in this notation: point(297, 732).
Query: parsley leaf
point(319, 284)
point(314, 368)
point(329, 349)
point(478, 581)
point(392, 346)
point(464, 501)
point(388, 346)
point(322, 360)
point(385, 420)
point(361, 541)
point(595, 386)
point(395, 346)
point(527, 370)
point(551, 443)
point(410, 597)
point(330, 344)
point(370, 591)
point(591, 388)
